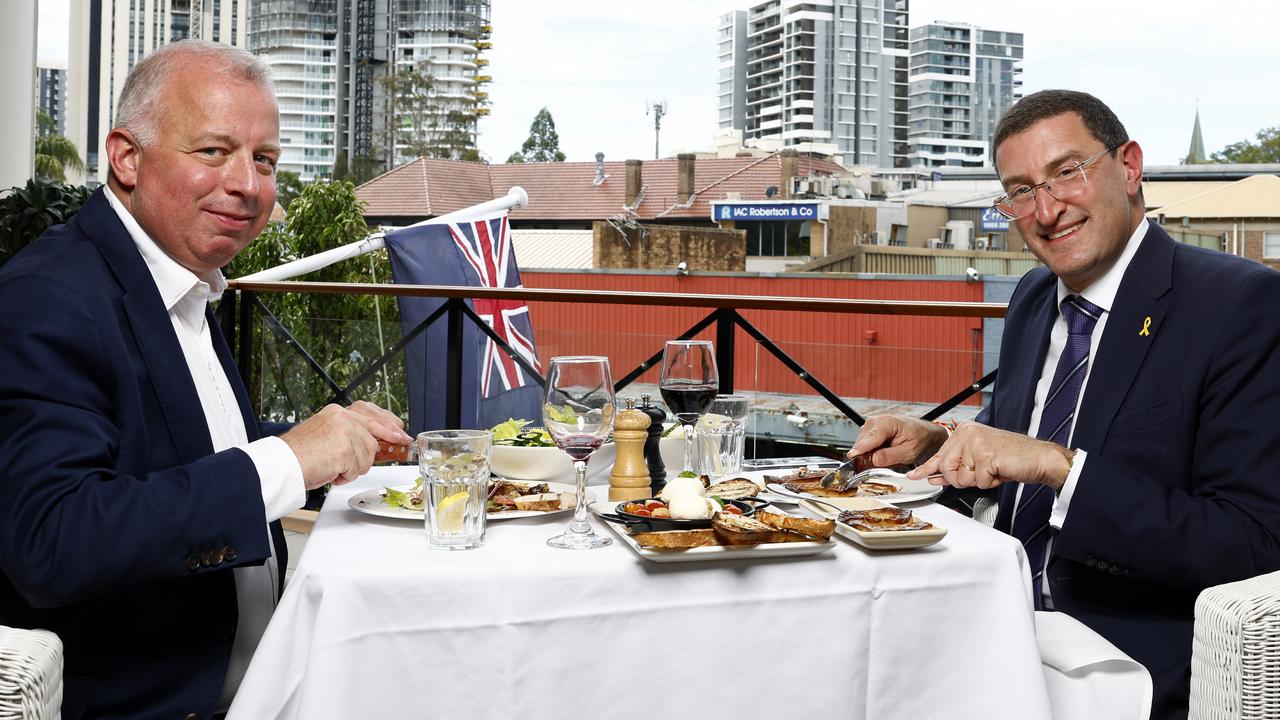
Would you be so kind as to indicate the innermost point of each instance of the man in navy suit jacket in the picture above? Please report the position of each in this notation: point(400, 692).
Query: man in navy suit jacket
point(1170, 482)
point(137, 487)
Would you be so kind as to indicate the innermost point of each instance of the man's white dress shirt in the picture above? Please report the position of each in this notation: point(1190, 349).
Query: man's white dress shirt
point(186, 297)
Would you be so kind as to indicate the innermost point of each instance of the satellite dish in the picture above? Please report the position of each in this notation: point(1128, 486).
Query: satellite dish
point(771, 191)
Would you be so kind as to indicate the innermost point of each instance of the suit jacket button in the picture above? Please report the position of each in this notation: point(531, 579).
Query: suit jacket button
point(217, 556)
point(193, 562)
point(193, 716)
point(229, 553)
point(1116, 571)
point(206, 558)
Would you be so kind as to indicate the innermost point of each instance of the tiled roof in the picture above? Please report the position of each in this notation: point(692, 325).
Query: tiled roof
point(567, 191)
point(426, 187)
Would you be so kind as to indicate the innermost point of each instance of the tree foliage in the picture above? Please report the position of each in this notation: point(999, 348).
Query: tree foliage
point(28, 211)
point(425, 123)
point(54, 153)
point(1265, 150)
point(288, 187)
point(543, 144)
point(342, 332)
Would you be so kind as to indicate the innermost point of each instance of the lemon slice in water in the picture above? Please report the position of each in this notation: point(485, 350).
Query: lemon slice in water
point(450, 511)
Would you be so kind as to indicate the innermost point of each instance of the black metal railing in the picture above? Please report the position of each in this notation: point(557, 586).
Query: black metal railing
point(238, 305)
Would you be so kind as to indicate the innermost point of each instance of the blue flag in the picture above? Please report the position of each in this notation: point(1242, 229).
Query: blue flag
point(494, 387)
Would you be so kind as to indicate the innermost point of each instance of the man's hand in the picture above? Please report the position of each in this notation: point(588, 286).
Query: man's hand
point(980, 456)
point(337, 444)
point(887, 440)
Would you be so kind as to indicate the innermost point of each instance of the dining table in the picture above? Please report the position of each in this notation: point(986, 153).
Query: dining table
point(374, 624)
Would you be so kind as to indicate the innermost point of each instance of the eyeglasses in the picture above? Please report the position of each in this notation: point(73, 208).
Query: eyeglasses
point(1065, 184)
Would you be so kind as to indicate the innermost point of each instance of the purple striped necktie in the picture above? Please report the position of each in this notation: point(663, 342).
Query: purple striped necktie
point(1031, 521)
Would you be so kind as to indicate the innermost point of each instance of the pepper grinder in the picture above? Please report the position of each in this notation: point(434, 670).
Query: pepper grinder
point(653, 445)
point(629, 479)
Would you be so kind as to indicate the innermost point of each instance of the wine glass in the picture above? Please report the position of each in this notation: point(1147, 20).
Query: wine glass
point(689, 383)
point(577, 411)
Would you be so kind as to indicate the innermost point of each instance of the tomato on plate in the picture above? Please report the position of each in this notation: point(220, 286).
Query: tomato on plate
point(731, 509)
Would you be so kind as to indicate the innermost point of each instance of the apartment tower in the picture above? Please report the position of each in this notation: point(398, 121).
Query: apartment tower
point(822, 75)
point(963, 78)
point(109, 36)
point(330, 60)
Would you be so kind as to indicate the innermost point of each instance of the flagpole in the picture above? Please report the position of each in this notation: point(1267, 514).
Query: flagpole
point(516, 197)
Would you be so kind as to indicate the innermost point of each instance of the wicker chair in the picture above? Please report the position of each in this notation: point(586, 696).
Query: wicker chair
point(30, 674)
point(1235, 659)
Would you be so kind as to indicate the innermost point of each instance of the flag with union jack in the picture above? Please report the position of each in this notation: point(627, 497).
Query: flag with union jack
point(495, 387)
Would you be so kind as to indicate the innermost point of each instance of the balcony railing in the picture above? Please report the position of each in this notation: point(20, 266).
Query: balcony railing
point(726, 315)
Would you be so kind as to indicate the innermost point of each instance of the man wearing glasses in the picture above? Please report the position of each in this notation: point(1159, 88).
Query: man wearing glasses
point(1131, 438)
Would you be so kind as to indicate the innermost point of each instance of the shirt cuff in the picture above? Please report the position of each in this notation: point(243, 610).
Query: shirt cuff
point(280, 475)
point(1059, 513)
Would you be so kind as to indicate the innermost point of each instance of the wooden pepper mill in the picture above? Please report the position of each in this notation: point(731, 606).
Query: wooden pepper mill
point(629, 479)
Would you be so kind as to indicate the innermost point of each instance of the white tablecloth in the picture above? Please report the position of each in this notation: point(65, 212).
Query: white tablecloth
point(376, 625)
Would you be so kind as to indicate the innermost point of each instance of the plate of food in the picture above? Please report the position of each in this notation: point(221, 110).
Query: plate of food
point(875, 524)
point(522, 451)
point(806, 482)
point(729, 537)
point(508, 500)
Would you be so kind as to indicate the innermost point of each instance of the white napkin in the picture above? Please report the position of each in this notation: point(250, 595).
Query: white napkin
point(1088, 678)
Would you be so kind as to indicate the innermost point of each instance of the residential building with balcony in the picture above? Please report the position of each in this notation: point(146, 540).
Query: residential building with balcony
point(51, 96)
point(963, 78)
point(826, 77)
point(330, 61)
point(108, 37)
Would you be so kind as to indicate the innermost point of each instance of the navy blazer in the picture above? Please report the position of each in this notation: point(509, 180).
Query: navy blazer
point(119, 525)
point(1181, 488)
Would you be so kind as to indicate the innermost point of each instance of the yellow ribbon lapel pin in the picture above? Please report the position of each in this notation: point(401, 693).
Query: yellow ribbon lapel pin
point(1146, 326)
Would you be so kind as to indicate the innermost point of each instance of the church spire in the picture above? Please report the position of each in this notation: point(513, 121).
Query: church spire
point(1196, 153)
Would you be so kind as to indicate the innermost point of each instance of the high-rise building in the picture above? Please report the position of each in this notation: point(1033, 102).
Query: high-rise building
point(816, 74)
point(51, 96)
point(330, 60)
point(109, 36)
point(963, 78)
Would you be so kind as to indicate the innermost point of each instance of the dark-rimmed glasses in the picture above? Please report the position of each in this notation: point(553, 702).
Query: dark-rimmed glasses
point(1067, 183)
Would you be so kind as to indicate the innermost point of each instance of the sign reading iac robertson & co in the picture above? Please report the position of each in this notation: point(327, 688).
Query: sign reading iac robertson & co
point(764, 211)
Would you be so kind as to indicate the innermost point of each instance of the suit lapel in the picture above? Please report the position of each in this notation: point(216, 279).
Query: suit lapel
point(1132, 324)
point(1021, 390)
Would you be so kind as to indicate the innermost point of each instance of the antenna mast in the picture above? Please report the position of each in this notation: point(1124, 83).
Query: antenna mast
point(657, 109)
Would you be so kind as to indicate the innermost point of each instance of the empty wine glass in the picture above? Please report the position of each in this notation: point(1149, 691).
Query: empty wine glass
point(688, 384)
point(577, 411)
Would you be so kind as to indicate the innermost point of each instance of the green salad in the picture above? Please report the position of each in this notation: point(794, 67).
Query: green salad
point(514, 432)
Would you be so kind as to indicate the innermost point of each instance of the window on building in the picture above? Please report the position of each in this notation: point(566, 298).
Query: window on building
point(1271, 246)
point(775, 239)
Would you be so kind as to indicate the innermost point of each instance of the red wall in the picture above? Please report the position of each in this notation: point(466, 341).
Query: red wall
point(898, 357)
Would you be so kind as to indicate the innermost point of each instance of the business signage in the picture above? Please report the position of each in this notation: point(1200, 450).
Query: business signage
point(764, 211)
point(993, 221)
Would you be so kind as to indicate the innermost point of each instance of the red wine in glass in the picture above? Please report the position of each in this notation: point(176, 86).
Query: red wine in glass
point(688, 402)
point(579, 447)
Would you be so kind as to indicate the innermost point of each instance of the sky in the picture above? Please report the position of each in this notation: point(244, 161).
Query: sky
point(597, 65)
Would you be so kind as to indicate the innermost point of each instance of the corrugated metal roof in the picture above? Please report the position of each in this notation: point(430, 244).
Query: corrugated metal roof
point(967, 197)
point(1159, 193)
point(553, 249)
point(1257, 196)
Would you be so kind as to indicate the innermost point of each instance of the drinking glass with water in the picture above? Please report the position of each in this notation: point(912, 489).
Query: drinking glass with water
point(721, 437)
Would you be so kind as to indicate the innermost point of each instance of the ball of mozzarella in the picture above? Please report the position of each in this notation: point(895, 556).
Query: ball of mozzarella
point(689, 507)
point(681, 486)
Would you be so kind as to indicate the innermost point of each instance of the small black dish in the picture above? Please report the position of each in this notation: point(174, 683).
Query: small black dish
point(641, 523)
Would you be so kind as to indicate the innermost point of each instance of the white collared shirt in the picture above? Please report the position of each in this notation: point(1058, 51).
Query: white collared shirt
point(186, 297)
point(1102, 292)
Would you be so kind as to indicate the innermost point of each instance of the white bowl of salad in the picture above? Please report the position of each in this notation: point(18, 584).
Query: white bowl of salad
point(524, 452)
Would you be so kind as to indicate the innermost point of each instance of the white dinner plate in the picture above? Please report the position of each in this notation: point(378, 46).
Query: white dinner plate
point(370, 502)
point(713, 552)
point(908, 491)
point(889, 540)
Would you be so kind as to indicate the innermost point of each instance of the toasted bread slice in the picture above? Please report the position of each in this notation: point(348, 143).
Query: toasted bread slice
point(743, 530)
point(816, 529)
point(733, 489)
point(676, 539)
point(542, 502)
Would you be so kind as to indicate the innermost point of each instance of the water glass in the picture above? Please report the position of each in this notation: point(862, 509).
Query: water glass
point(721, 437)
point(455, 479)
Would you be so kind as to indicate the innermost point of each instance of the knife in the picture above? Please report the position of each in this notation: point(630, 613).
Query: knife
point(846, 477)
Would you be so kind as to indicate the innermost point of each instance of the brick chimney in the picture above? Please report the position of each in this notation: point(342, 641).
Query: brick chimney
point(633, 181)
point(790, 165)
point(684, 177)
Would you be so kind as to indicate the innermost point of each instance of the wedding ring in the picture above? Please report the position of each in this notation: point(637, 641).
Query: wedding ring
point(966, 468)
